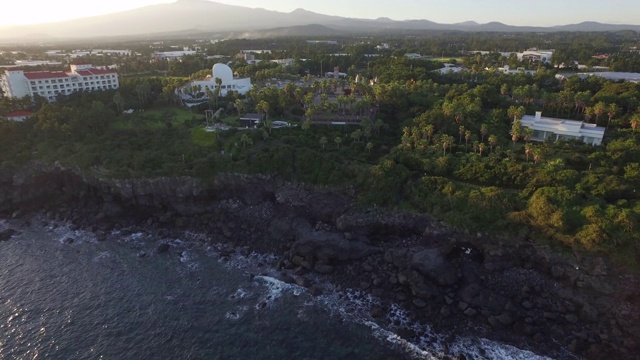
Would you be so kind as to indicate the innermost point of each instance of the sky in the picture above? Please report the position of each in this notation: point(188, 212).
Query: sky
point(512, 12)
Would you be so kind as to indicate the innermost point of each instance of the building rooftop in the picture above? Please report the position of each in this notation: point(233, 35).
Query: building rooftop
point(561, 125)
point(20, 113)
point(37, 75)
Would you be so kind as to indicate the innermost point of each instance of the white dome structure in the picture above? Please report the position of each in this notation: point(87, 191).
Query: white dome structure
point(206, 87)
point(223, 72)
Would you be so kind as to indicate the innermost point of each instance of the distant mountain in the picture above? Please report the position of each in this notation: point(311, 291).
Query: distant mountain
point(202, 16)
point(595, 26)
point(298, 30)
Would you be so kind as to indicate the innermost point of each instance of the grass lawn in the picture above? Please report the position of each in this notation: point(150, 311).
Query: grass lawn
point(158, 118)
point(203, 138)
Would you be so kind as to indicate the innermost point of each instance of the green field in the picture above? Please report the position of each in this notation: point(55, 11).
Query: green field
point(158, 118)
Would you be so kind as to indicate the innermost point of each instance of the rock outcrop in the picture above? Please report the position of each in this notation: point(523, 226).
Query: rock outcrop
point(504, 289)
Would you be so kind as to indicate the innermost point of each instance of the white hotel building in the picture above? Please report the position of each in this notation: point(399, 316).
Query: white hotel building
point(545, 128)
point(49, 84)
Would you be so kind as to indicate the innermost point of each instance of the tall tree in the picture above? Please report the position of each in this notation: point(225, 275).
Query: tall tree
point(467, 137)
point(483, 131)
point(323, 141)
point(612, 110)
point(516, 132)
point(493, 141)
point(635, 122)
point(119, 101)
point(599, 109)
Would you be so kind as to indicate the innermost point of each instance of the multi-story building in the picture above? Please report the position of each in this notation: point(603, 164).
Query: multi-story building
point(49, 84)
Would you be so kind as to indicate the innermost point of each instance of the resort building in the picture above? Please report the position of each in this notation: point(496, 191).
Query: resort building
point(508, 71)
point(49, 84)
point(545, 128)
point(228, 83)
point(173, 55)
point(18, 115)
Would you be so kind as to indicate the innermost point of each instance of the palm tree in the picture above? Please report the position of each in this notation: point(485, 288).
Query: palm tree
point(516, 132)
point(446, 141)
point(263, 107)
point(481, 148)
point(369, 147)
point(245, 139)
point(428, 130)
point(599, 109)
point(467, 137)
point(356, 135)
point(483, 131)
point(240, 106)
point(338, 141)
point(323, 141)
point(119, 101)
point(493, 141)
point(267, 124)
point(475, 146)
point(527, 134)
point(528, 149)
point(537, 155)
point(406, 138)
point(611, 112)
point(377, 125)
point(306, 124)
point(588, 114)
point(461, 131)
point(516, 113)
point(635, 122)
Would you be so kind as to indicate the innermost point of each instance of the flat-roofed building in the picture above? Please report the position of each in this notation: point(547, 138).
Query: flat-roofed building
point(50, 84)
point(18, 115)
point(545, 128)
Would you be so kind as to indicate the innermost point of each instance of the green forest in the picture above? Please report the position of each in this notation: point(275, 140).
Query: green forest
point(450, 145)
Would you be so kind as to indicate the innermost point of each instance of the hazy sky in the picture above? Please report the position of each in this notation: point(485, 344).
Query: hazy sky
point(512, 12)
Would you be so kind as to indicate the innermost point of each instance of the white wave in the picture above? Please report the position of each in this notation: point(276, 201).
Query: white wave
point(62, 232)
point(275, 289)
point(236, 314)
point(486, 349)
point(187, 258)
point(239, 294)
point(102, 255)
point(355, 306)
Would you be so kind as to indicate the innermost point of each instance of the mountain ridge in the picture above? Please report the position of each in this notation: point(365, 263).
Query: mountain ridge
point(204, 15)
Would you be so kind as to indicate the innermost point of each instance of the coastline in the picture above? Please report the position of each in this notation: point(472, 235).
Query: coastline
point(507, 290)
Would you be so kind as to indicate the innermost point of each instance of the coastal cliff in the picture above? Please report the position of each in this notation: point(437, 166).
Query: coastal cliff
point(505, 289)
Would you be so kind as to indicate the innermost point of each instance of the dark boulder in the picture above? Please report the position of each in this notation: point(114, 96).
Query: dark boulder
point(162, 248)
point(6, 234)
point(432, 264)
point(328, 247)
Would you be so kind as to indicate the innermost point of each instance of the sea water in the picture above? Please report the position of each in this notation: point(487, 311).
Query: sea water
point(119, 299)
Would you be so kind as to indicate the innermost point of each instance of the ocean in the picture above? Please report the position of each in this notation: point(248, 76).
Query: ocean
point(66, 295)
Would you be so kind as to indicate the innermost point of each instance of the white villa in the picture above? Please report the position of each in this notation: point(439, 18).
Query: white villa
point(229, 83)
point(506, 70)
point(545, 128)
point(49, 84)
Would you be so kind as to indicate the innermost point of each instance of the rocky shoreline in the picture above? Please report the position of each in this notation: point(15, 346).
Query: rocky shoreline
point(508, 290)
